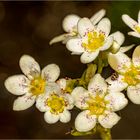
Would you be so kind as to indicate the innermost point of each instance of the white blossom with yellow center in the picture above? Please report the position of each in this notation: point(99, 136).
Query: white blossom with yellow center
point(32, 84)
point(128, 76)
point(55, 104)
point(134, 25)
point(91, 40)
point(69, 25)
point(98, 105)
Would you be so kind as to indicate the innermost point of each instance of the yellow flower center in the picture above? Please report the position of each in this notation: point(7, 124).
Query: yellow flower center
point(37, 86)
point(137, 28)
point(96, 105)
point(132, 76)
point(95, 41)
point(56, 103)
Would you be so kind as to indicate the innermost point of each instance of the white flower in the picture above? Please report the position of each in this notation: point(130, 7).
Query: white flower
point(92, 40)
point(118, 40)
point(98, 104)
point(32, 84)
point(70, 26)
point(134, 25)
point(128, 74)
point(55, 104)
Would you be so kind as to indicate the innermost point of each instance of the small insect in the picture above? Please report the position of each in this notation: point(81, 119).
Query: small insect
point(114, 76)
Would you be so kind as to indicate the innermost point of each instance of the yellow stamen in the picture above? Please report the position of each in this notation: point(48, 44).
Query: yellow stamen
point(96, 105)
point(56, 103)
point(37, 86)
point(132, 76)
point(137, 28)
point(94, 42)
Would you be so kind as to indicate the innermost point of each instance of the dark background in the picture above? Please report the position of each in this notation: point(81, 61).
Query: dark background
point(26, 28)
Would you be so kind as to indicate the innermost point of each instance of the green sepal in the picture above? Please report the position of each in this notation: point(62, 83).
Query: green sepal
point(105, 133)
point(74, 132)
point(71, 84)
point(102, 61)
point(89, 73)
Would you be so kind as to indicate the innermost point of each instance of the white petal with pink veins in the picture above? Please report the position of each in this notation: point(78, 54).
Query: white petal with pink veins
point(24, 102)
point(29, 66)
point(85, 122)
point(136, 56)
point(133, 93)
point(109, 119)
point(120, 62)
point(17, 84)
point(51, 72)
point(85, 26)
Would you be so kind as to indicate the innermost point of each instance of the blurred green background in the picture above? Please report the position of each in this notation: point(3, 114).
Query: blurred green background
point(27, 28)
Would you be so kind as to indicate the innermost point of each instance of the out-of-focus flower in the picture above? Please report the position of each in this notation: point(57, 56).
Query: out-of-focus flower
point(92, 39)
point(98, 104)
point(55, 104)
point(128, 74)
point(32, 84)
point(134, 25)
point(70, 26)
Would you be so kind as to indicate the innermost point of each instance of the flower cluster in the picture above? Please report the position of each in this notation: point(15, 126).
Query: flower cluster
point(97, 98)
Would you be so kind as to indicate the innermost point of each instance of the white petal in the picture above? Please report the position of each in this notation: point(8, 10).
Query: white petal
point(97, 85)
point(118, 37)
point(79, 95)
point(51, 72)
point(65, 116)
point(117, 101)
point(120, 62)
point(23, 102)
point(135, 34)
point(75, 45)
point(139, 17)
point(29, 66)
point(88, 57)
point(69, 22)
point(62, 83)
point(51, 118)
point(17, 84)
point(69, 100)
point(116, 84)
point(126, 48)
point(98, 16)
point(107, 44)
point(59, 38)
point(52, 88)
point(104, 26)
point(41, 103)
point(136, 56)
point(85, 122)
point(108, 120)
point(129, 21)
point(84, 26)
point(133, 93)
